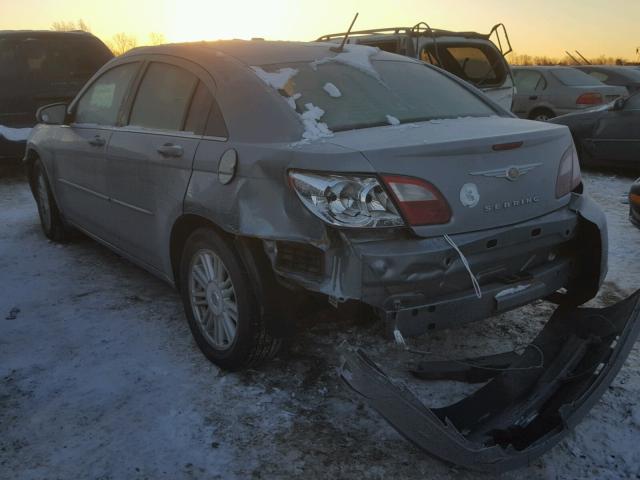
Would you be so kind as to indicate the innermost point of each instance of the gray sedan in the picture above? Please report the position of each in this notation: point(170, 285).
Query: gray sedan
point(249, 173)
point(547, 92)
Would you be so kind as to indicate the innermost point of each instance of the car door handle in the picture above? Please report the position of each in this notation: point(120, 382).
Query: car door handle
point(170, 150)
point(533, 97)
point(97, 141)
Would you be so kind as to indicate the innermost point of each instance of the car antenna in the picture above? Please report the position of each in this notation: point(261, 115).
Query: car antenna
point(340, 49)
point(582, 57)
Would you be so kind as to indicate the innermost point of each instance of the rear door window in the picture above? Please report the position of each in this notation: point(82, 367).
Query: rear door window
point(101, 103)
point(529, 81)
point(204, 117)
point(163, 98)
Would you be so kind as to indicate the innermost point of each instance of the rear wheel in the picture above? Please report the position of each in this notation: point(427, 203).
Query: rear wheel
point(50, 219)
point(220, 303)
point(542, 115)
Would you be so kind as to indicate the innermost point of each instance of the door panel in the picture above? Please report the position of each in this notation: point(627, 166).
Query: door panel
point(148, 175)
point(80, 163)
point(617, 137)
point(80, 172)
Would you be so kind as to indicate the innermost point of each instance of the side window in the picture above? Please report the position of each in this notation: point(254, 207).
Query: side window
point(633, 103)
point(529, 81)
point(8, 63)
point(163, 98)
point(204, 117)
point(101, 103)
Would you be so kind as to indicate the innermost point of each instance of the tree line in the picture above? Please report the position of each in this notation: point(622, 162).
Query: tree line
point(119, 43)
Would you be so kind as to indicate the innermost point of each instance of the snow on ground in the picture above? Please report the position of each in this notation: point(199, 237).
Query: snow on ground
point(14, 134)
point(99, 376)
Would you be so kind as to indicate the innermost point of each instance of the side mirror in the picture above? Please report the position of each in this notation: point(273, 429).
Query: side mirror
point(54, 114)
point(619, 104)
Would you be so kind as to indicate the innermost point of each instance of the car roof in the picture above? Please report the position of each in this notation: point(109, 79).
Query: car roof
point(542, 67)
point(258, 52)
point(44, 33)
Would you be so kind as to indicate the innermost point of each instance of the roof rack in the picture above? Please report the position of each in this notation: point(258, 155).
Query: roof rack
point(417, 31)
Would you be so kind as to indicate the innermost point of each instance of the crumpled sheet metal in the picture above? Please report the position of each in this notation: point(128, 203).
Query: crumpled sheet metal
point(528, 407)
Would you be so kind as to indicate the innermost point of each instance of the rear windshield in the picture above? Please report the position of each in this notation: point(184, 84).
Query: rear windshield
point(480, 65)
point(389, 92)
point(574, 78)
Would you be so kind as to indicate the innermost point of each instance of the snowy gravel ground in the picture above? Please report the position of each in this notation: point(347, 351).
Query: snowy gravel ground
point(100, 379)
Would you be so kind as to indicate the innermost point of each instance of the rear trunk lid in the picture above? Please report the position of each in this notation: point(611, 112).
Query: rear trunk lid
point(486, 187)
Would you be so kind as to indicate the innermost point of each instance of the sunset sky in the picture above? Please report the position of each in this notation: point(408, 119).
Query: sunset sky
point(536, 27)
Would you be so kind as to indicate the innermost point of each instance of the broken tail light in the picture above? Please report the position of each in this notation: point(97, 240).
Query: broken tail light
point(569, 176)
point(420, 202)
point(354, 201)
point(591, 98)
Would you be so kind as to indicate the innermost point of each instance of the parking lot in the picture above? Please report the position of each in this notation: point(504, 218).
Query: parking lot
point(100, 377)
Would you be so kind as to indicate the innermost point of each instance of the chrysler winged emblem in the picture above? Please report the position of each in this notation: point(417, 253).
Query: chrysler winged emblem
point(511, 173)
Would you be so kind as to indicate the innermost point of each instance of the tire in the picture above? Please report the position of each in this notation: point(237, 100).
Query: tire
point(50, 218)
point(221, 305)
point(541, 115)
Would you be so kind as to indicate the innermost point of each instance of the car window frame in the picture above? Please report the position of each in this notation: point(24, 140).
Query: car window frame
point(201, 75)
point(540, 74)
point(72, 109)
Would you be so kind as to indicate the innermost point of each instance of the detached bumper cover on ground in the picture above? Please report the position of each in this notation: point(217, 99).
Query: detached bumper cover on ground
point(530, 404)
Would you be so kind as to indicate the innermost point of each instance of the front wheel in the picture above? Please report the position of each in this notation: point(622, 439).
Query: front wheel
point(220, 303)
point(50, 219)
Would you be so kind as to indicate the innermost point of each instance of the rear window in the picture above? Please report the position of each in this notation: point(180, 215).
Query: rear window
point(391, 93)
point(574, 78)
point(480, 65)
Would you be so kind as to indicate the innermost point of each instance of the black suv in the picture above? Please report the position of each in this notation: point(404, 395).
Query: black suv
point(38, 68)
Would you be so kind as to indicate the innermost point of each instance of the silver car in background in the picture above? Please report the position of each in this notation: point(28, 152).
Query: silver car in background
point(548, 92)
point(249, 173)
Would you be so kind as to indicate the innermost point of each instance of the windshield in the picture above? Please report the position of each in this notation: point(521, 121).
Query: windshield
point(384, 93)
point(574, 78)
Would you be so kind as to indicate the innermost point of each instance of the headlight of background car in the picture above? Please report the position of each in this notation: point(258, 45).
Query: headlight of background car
point(346, 201)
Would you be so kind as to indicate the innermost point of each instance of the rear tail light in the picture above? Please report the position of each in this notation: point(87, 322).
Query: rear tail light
point(591, 98)
point(420, 202)
point(569, 176)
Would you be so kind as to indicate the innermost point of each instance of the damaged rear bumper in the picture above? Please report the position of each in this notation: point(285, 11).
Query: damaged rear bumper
point(532, 400)
point(421, 284)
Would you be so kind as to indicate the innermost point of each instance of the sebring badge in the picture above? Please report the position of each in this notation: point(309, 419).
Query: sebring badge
point(469, 195)
point(511, 173)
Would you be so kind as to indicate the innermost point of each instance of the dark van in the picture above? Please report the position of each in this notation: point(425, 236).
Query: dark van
point(38, 68)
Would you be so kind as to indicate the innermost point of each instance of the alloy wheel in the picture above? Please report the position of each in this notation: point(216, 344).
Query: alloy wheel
point(213, 299)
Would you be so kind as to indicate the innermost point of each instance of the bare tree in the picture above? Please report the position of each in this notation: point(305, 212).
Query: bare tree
point(69, 26)
point(121, 43)
point(156, 38)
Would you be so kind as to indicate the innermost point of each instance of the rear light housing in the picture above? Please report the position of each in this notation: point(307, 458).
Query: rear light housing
point(569, 176)
point(344, 200)
point(591, 98)
point(420, 202)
